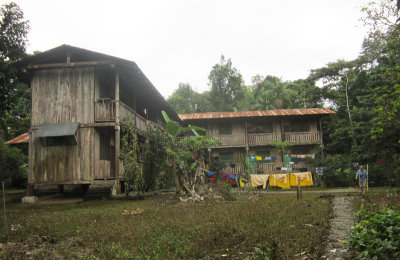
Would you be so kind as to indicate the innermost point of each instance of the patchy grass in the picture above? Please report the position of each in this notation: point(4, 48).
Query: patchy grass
point(274, 223)
point(379, 200)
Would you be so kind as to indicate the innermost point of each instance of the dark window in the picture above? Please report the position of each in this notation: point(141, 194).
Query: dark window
point(59, 140)
point(105, 153)
point(226, 157)
point(296, 126)
point(300, 149)
point(264, 153)
point(260, 127)
point(225, 129)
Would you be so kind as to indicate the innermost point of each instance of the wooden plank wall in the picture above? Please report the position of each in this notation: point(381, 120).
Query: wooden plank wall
point(62, 95)
point(62, 164)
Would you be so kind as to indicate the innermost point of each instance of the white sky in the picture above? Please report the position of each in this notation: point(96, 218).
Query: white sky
point(179, 41)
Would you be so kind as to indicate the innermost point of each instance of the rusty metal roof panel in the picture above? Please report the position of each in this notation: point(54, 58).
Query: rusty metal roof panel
point(21, 139)
point(265, 113)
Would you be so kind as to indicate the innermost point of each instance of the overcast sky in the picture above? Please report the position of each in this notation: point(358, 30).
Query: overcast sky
point(179, 41)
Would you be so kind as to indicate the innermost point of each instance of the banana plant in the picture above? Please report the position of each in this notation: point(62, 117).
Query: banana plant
point(174, 130)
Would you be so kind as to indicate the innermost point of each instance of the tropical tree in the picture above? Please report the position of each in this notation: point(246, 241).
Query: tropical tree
point(272, 93)
point(226, 86)
point(13, 39)
point(187, 155)
point(185, 99)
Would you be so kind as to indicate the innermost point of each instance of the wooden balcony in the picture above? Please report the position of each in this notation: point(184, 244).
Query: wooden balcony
point(303, 138)
point(260, 139)
point(231, 140)
point(268, 139)
point(105, 112)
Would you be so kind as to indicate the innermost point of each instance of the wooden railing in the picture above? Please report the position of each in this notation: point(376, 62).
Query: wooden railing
point(267, 138)
point(231, 140)
point(304, 137)
point(104, 110)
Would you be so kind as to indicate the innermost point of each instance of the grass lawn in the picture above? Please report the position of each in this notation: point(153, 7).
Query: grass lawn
point(275, 223)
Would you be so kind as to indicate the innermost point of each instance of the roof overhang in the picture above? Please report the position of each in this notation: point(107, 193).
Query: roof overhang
point(258, 114)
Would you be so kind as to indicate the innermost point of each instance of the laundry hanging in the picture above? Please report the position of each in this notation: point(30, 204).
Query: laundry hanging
point(305, 179)
point(280, 180)
point(229, 177)
point(243, 179)
point(258, 180)
point(212, 177)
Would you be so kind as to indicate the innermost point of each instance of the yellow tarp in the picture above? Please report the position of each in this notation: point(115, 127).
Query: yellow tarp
point(258, 180)
point(305, 179)
point(280, 180)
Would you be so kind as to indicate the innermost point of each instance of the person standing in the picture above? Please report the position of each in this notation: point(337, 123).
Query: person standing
point(362, 176)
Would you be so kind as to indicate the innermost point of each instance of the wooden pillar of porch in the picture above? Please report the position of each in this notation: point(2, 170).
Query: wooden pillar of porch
point(117, 128)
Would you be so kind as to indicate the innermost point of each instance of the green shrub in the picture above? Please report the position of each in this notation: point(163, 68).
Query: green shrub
point(377, 234)
point(13, 165)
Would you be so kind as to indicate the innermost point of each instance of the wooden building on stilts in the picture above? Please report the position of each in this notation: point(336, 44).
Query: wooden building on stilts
point(79, 98)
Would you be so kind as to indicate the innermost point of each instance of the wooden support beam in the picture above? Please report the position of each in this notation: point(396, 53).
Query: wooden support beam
point(117, 127)
point(71, 65)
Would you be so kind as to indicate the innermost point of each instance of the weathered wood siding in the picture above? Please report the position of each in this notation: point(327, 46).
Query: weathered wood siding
point(62, 95)
point(59, 96)
point(71, 164)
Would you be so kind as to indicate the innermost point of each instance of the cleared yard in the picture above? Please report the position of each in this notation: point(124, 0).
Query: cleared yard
point(278, 224)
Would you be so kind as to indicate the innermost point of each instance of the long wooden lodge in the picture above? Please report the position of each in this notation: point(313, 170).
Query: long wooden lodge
point(79, 98)
point(254, 134)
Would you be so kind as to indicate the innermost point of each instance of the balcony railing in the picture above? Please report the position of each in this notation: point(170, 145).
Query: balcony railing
point(105, 112)
point(303, 138)
point(268, 138)
point(231, 140)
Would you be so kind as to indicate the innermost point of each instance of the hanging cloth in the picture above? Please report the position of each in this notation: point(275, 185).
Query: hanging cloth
point(305, 179)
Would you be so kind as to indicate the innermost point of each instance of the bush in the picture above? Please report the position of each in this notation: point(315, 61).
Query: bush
point(377, 234)
point(13, 165)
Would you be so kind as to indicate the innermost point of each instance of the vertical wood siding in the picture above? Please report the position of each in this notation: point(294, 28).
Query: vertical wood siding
point(63, 95)
point(62, 164)
point(59, 96)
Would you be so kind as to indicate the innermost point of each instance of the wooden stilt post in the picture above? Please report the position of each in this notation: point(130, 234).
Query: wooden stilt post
point(117, 130)
point(29, 190)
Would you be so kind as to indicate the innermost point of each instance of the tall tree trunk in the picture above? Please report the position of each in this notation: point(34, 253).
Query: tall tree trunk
point(348, 111)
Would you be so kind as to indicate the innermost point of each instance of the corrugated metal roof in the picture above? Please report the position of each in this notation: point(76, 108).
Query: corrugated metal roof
point(21, 139)
point(265, 113)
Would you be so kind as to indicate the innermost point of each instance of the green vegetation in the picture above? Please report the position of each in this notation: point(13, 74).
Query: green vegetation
point(187, 155)
point(131, 157)
point(376, 234)
point(278, 225)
